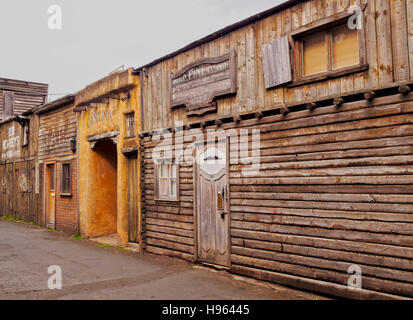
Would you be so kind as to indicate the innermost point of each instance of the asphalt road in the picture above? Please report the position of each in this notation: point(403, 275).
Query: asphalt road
point(92, 272)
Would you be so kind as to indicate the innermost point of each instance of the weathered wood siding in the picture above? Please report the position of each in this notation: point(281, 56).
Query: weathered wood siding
point(168, 227)
point(18, 171)
point(334, 190)
point(27, 95)
point(388, 28)
point(56, 128)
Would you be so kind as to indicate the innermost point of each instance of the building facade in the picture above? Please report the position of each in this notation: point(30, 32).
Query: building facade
point(57, 161)
point(109, 168)
point(18, 151)
point(279, 148)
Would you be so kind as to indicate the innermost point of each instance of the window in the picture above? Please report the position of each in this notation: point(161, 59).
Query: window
point(26, 131)
point(328, 51)
point(66, 179)
point(8, 104)
point(167, 181)
point(130, 125)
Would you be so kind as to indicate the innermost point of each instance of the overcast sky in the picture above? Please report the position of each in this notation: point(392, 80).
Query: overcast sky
point(98, 36)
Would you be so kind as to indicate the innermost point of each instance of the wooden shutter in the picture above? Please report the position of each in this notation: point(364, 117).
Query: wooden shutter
point(8, 104)
point(277, 62)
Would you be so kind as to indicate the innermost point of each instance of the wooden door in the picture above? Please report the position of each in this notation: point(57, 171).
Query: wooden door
point(133, 199)
point(50, 196)
point(213, 215)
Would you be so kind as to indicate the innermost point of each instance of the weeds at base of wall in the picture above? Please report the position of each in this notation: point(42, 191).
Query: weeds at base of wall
point(8, 218)
point(77, 236)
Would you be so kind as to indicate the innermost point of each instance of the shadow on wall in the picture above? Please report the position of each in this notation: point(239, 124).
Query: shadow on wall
point(104, 189)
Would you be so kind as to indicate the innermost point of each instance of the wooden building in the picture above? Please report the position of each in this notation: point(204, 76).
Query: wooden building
point(17, 96)
point(57, 161)
point(328, 91)
point(18, 150)
point(109, 168)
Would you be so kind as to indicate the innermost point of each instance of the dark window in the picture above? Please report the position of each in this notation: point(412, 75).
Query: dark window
point(8, 104)
point(66, 179)
point(26, 134)
point(130, 125)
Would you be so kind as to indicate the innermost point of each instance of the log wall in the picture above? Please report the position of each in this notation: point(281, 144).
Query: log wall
point(334, 190)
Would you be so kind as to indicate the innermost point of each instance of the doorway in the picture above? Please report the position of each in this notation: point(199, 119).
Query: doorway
point(213, 218)
point(103, 189)
point(50, 196)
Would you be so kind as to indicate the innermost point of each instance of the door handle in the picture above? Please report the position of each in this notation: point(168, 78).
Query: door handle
point(220, 201)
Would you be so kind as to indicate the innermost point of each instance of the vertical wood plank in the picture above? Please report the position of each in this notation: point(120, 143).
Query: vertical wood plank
point(371, 45)
point(409, 5)
point(384, 42)
point(399, 40)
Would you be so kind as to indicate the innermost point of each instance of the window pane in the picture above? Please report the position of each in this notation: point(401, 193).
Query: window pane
point(173, 171)
point(163, 187)
point(66, 178)
point(51, 168)
point(130, 125)
point(314, 54)
point(345, 47)
point(164, 170)
point(173, 187)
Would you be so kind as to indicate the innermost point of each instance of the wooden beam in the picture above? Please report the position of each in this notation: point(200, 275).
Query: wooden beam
point(259, 115)
point(404, 89)
point(285, 110)
point(311, 106)
point(370, 95)
point(237, 119)
point(338, 101)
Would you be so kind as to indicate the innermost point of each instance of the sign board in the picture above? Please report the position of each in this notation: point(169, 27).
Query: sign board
point(198, 84)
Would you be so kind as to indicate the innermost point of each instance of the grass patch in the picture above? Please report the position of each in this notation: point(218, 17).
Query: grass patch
point(120, 248)
point(106, 245)
point(77, 236)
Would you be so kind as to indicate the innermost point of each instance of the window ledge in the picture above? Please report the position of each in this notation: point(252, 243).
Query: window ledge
point(330, 75)
point(171, 201)
point(66, 195)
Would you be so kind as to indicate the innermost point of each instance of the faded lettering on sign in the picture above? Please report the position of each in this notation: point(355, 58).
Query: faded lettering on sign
point(11, 145)
point(198, 84)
